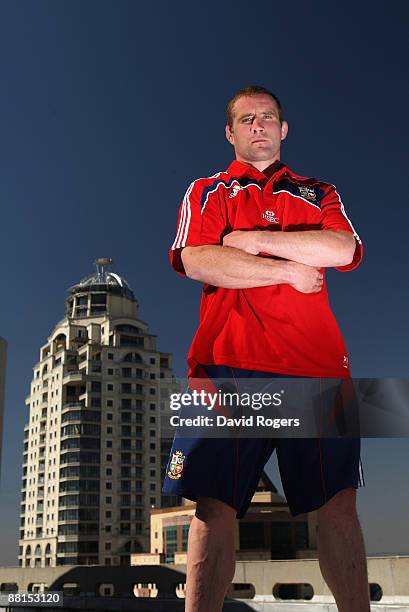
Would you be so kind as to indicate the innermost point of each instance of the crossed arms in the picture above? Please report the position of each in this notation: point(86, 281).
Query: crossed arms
point(235, 265)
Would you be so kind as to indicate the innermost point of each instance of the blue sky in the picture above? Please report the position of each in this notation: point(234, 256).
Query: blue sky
point(108, 110)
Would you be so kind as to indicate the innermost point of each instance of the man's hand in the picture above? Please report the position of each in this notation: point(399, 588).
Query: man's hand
point(247, 241)
point(306, 279)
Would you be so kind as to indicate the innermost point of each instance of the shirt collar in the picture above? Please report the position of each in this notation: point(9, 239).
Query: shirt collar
point(239, 169)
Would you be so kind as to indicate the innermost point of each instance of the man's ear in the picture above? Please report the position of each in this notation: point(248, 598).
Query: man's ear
point(284, 130)
point(229, 134)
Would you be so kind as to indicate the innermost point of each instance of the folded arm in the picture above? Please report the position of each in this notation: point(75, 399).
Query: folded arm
point(233, 268)
point(323, 248)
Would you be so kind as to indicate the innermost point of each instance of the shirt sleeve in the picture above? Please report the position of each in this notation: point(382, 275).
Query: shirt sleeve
point(200, 222)
point(334, 217)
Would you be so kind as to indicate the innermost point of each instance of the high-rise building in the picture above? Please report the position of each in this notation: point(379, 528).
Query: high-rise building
point(94, 451)
point(3, 354)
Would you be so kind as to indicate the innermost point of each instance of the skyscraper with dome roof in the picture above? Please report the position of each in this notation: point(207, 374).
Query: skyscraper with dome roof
point(94, 445)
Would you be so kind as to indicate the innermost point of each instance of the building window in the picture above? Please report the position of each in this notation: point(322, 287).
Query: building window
point(252, 535)
point(108, 500)
point(301, 535)
point(171, 538)
point(108, 471)
point(109, 457)
point(125, 485)
point(108, 514)
point(110, 403)
point(110, 356)
point(152, 420)
point(152, 486)
point(152, 446)
point(110, 387)
point(185, 533)
point(109, 443)
point(152, 459)
point(107, 545)
point(152, 360)
point(110, 372)
point(109, 416)
point(109, 430)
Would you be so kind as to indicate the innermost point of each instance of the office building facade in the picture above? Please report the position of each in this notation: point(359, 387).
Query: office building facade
point(94, 448)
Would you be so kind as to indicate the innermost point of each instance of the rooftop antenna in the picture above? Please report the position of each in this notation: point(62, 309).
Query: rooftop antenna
point(101, 263)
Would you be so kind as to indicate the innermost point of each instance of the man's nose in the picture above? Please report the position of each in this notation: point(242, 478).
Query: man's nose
point(257, 125)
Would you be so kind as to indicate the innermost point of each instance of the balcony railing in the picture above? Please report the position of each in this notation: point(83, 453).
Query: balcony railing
point(73, 376)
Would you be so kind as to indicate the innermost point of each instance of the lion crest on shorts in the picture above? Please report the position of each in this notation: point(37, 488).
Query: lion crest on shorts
point(176, 465)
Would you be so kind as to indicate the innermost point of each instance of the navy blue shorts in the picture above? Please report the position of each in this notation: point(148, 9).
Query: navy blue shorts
point(312, 470)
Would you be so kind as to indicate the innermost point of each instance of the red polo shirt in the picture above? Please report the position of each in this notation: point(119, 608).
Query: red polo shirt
point(275, 328)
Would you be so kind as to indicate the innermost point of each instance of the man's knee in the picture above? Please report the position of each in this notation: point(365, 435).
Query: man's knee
point(342, 504)
point(209, 510)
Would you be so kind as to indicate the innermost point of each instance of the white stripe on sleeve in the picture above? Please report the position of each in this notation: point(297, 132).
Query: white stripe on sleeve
point(346, 216)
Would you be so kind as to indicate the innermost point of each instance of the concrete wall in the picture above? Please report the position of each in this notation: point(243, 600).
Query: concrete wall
point(390, 573)
point(3, 354)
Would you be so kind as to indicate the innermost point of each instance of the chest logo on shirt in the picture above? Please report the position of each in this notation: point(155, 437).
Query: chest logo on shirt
point(269, 216)
point(308, 193)
point(235, 190)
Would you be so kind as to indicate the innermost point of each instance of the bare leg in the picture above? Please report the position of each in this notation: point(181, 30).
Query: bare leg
point(341, 552)
point(211, 555)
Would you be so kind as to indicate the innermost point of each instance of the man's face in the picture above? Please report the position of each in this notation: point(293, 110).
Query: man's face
point(256, 133)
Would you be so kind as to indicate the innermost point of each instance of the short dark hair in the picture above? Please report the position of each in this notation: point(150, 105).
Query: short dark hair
point(251, 90)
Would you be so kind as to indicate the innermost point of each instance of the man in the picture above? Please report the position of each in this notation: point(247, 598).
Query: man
point(259, 237)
